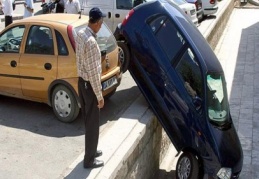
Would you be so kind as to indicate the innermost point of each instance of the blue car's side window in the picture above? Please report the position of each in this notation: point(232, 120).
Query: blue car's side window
point(156, 23)
point(170, 39)
point(189, 71)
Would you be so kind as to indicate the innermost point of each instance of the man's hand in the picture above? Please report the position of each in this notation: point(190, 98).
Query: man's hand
point(100, 104)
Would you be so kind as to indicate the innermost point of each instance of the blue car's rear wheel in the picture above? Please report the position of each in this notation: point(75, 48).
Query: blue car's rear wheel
point(187, 167)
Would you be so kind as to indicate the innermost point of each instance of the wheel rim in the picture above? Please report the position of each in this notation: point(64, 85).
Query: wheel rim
point(184, 168)
point(121, 56)
point(62, 103)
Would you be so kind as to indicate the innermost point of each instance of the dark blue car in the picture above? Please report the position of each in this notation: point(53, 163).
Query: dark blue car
point(183, 81)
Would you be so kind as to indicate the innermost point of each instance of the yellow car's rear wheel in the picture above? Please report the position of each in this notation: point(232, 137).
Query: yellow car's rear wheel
point(64, 104)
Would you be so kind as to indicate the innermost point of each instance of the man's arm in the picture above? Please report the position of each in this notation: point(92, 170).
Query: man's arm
point(29, 7)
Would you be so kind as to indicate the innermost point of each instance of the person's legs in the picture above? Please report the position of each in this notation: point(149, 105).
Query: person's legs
point(90, 113)
point(8, 20)
point(91, 125)
point(59, 8)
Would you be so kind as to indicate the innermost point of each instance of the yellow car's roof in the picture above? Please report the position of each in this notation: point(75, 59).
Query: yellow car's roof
point(57, 18)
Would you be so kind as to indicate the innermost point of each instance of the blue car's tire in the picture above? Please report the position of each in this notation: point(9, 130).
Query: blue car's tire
point(124, 56)
point(187, 167)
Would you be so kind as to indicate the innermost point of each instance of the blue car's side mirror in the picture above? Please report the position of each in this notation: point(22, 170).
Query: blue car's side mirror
point(197, 101)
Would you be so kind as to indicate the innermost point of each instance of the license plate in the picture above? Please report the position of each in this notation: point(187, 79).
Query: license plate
point(192, 11)
point(109, 83)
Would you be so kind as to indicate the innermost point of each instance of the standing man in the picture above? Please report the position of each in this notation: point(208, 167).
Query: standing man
point(60, 6)
point(88, 58)
point(72, 7)
point(28, 8)
point(8, 12)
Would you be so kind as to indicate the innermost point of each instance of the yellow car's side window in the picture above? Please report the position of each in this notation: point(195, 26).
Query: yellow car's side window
point(11, 39)
point(39, 41)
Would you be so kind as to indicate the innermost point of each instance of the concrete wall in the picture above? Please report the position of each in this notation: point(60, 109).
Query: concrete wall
point(147, 156)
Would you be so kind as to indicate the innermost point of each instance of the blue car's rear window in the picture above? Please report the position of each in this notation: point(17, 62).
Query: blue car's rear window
point(167, 35)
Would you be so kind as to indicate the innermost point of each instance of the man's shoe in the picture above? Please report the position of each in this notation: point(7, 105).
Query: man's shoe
point(98, 153)
point(96, 163)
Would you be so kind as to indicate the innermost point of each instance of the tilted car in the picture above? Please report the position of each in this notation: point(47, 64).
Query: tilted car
point(183, 82)
point(38, 61)
point(193, 10)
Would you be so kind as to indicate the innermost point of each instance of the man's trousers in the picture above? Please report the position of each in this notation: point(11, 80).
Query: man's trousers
point(91, 115)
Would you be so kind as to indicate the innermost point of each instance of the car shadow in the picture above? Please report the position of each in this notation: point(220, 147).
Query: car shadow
point(208, 18)
point(211, 17)
point(39, 118)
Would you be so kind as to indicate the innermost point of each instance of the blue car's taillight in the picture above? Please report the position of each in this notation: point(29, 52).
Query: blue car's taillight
point(127, 16)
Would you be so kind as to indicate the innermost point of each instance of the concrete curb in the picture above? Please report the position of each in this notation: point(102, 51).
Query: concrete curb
point(214, 31)
point(15, 17)
point(247, 7)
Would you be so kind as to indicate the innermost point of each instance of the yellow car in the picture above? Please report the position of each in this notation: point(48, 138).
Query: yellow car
point(38, 61)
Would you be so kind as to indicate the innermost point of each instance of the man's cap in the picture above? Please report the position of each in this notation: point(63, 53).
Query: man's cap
point(96, 14)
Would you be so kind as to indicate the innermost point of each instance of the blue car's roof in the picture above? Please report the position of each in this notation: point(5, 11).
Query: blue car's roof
point(203, 50)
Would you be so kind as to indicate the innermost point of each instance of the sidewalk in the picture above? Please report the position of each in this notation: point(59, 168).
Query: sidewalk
point(238, 53)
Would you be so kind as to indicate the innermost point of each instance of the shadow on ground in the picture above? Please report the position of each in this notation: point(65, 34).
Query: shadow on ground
point(163, 174)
